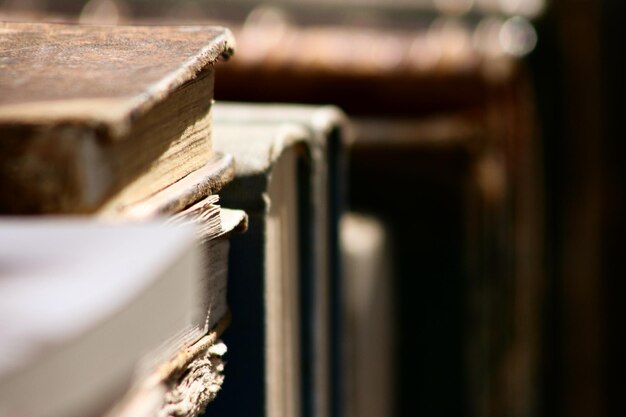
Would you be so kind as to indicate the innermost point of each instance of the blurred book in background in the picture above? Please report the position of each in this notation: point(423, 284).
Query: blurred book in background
point(368, 317)
point(445, 132)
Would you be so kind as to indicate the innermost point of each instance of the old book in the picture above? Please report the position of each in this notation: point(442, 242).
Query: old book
point(185, 385)
point(201, 183)
point(327, 130)
point(82, 303)
point(214, 227)
point(193, 200)
point(271, 306)
point(265, 335)
point(94, 113)
point(368, 316)
point(472, 187)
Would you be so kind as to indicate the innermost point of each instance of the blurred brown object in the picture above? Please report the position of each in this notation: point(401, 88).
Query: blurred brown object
point(447, 138)
point(580, 69)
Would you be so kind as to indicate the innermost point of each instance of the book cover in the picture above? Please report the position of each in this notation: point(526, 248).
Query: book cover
point(92, 111)
point(329, 131)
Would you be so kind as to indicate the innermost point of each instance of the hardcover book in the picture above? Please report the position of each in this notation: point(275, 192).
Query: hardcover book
point(328, 131)
point(184, 386)
point(268, 270)
point(93, 113)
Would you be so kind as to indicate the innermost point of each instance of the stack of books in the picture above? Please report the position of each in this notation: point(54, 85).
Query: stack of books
point(444, 119)
point(285, 314)
point(95, 118)
point(114, 123)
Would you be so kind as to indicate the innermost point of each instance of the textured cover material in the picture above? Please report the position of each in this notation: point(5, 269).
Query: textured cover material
point(88, 113)
point(104, 76)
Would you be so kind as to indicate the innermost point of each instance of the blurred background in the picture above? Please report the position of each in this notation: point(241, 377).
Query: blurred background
point(487, 144)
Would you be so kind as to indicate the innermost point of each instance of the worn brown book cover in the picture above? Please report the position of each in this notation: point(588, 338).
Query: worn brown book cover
point(89, 111)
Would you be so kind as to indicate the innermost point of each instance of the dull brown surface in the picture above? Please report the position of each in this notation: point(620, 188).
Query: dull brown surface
point(86, 111)
point(98, 75)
